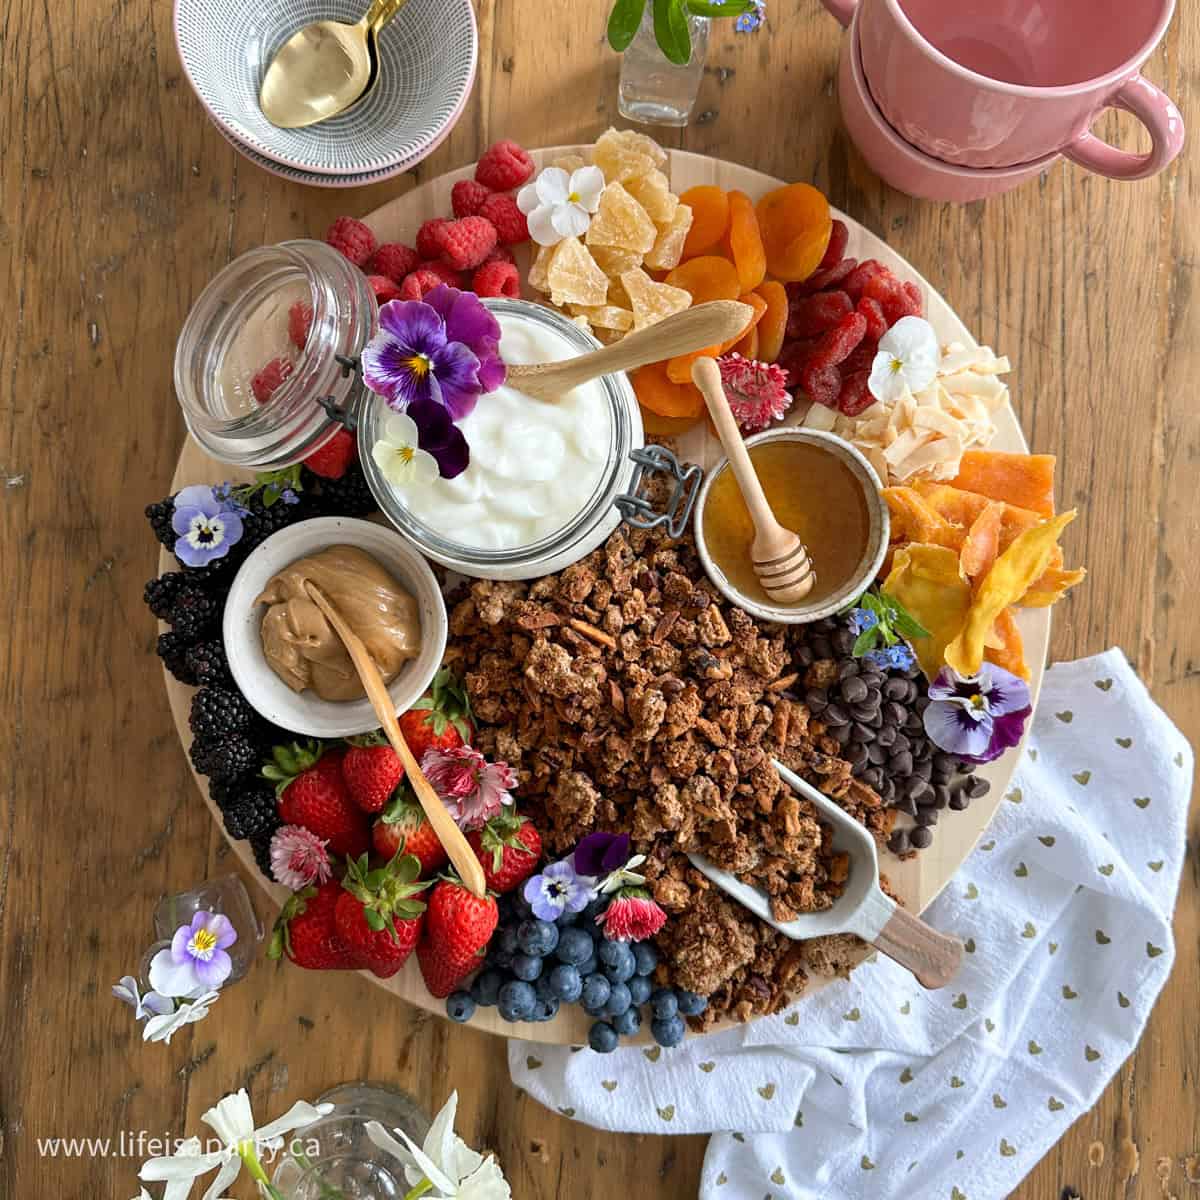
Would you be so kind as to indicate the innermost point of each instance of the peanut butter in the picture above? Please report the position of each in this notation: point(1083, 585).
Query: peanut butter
point(301, 646)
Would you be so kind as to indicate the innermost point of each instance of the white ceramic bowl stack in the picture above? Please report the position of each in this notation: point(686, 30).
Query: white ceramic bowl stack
point(427, 60)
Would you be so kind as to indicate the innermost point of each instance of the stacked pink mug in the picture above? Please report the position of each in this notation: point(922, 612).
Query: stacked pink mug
point(962, 99)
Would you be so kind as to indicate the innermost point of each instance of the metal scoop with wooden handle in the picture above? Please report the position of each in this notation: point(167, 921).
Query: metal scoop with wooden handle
point(780, 560)
point(710, 324)
point(469, 869)
point(863, 908)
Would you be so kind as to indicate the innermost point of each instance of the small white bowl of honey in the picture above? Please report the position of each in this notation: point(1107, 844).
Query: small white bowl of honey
point(822, 489)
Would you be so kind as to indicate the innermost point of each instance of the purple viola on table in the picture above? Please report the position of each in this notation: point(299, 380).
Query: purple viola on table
point(977, 717)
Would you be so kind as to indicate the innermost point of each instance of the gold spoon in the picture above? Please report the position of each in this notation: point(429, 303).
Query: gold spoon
point(469, 869)
point(324, 68)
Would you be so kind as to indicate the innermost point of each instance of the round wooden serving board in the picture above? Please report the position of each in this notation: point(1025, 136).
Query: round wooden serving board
point(917, 881)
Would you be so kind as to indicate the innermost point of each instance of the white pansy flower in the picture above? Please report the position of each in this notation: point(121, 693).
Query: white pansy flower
point(399, 457)
point(559, 205)
point(164, 1027)
point(452, 1169)
point(907, 361)
point(152, 1004)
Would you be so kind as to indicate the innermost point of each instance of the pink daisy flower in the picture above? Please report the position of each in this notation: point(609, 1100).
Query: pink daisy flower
point(757, 391)
point(474, 789)
point(299, 858)
point(632, 916)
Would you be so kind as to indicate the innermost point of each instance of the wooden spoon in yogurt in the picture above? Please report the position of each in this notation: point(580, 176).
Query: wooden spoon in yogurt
point(705, 325)
point(469, 869)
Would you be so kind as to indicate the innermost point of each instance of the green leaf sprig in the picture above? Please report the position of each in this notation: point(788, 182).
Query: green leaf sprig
point(671, 30)
point(893, 623)
point(272, 485)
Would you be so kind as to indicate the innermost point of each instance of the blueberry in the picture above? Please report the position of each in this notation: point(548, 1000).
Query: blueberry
point(506, 906)
point(595, 993)
point(618, 1000)
point(639, 989)
point(668, 1032)
point(593, 1010)
point(566, 983)
point(602, 1038)
point(526, 966)
point(486, 988)
point(506, 940)
point(617, 960)
point(574, 947)
point(590, 965)
point(501, 960)
point(545, 1009)
point(665, 1003)
point(542, 988)
point(521, 907)
point(566, 919)
point(460, 1006)
point(628, 1022)
point(537, 937)
point(516, 1000)
point(646, 957)
point(690, 1004)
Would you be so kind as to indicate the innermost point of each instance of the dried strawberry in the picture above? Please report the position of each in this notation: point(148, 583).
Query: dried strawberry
point(840, 342)
point(877, 323)
point(821, 384)
point(793, 357)
point(856, 282)
point(863, 358)
point(809, 316)
point(839, 239)
point(856, 395)
point(831, 277)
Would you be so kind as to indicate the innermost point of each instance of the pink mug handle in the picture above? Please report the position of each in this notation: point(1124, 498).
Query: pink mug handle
point(843, 10)
point(1154, 109)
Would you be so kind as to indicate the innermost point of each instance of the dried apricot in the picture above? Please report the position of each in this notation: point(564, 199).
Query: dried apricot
point(656, 426)
point(710, 218)
point(745, 241)
point(679, 369)
point(663, 396)
point(796, 227)
point(707, 278)
point(773, 323)
point(748, 346)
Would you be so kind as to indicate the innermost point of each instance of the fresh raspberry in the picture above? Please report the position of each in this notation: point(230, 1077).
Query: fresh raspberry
point(839, 239)
point(467, 197)
point(856, 282)
point(467, 242)
point(427, 246)
point(504, 166)
point(422, 280)
point(877, 323)
point(511, 226)
point(821, 384)
point(269, 378)
point(809, 316)
point(497, 278)
point(500, 254)
point(352, 238)
point(333, 459)
point(393, 260)
point(448, 275)
point(299, 323)
point(855, 396)
point(383, 288)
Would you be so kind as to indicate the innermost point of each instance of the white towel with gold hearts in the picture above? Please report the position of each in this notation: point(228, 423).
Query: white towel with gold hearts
point(876, 1088)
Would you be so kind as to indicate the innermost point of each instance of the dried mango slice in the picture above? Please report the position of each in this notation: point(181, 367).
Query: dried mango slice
point(913, 520)
point(773, 326)
point(745, 241)
point(621, 221)
point(710, 218)
point(795, 224)
point(1024, 561)
point(537, 277)
point(650, 301)
point(1005, 648)
point(964, 508)
point(653, 193)
point(660, 395)
point(574, 277)
point(604, 316)
point(927, 581)
point(621, 159)
point(982, 542)
point(668, 246)
point(1026, 480)
point(707, 278)
point(1051, 587)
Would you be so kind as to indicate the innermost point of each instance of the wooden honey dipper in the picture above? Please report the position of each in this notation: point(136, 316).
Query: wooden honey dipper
point(780, 559)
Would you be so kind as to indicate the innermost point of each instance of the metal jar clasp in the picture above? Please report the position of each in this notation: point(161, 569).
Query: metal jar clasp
point(639, 511)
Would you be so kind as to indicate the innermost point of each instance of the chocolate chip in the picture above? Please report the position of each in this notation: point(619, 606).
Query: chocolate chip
point(842, 734)
point(940, 774)
point(913, 723)
point(895, 712)
point(853, 690)
point(960, 801)
point(864, 733)
point(872, 678)
point(857, 757)
point(911, 692)
point(921, 838)
point(923, 752)
point(886, 735)
point(977, 787)
point(900, 762)
point(916, 788)
point(864, 712)
point(945, 762)
point(817, 700)
point(821, 647)
point(875, 720)
point(877, 754)
point(887, 791)
point(898, 842)
point(873, 776)
point(927, 816)
point(835, 714)
point(804, 657)
point(895, 689)
point(900, 742)
point(941, 795)
point(921, 703)
point(843, 641)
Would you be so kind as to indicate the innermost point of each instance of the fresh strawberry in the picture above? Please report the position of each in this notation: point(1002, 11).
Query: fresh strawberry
point(403, 827)
point(377, 915)
point(307, 934)
point(509, 847)
point(371, 772)
point(458, 927)
point(333, 459)
point(441, 720)
point(311, 792)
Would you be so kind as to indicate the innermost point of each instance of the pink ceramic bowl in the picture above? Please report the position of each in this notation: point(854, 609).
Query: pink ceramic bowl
point(901, 165)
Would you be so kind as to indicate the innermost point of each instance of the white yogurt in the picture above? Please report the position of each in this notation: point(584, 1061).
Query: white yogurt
point(534, 466)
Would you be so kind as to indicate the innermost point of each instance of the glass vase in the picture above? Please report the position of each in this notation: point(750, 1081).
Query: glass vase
point(225, 895)
point(654, 90)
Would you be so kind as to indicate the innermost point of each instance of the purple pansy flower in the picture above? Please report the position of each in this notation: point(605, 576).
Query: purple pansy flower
point(205, 524)
point(197, 960)
point(601, 853)
point(439, 436)
point(471, 323)
point(558, 889)
point(977, 717)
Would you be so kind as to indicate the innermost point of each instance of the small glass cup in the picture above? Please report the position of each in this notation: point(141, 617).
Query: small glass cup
point(226, 895)
point(654, 90)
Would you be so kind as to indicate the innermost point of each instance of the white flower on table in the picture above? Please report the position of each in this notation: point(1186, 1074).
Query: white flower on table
point(399, 456)
point(164, 1027)
point(151, 1004)
point(445, 1162)
point(559, 205)
point(908, 360)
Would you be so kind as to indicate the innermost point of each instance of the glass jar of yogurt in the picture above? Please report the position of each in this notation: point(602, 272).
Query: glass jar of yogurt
point(544, 481)
point(244, 320)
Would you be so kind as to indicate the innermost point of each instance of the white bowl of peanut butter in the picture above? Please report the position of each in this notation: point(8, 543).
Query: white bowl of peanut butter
point(288, 662)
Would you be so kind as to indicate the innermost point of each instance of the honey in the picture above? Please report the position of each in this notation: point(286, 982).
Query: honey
point(812, 492)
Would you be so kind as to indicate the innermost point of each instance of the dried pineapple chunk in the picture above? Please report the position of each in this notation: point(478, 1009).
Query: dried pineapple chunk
point(621, 221)
point(573, 275)
point(604, 316)
point(652, 302)
point(668, 246)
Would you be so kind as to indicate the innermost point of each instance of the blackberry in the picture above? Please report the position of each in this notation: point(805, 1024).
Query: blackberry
point(160, 594)
point(219, 572)
point(216, 712)
point(349, 496)
point(250, 811)
point(160, 514)
point(226, 759)
point(261, 845)
point(194, 612)
point(207, 662)
point(172, 649)
point(259, 522)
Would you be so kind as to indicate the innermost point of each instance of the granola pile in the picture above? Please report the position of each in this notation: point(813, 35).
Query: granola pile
point(630, 696)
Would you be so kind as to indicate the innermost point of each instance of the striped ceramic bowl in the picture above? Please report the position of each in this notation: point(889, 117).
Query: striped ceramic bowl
point(427, 58)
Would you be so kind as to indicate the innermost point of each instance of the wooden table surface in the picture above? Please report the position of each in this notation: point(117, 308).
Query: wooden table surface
point(119, 201)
